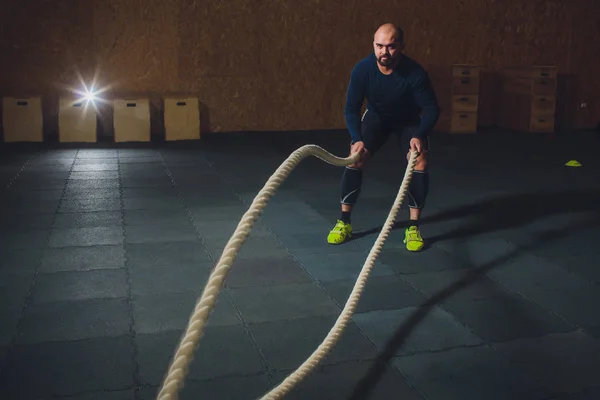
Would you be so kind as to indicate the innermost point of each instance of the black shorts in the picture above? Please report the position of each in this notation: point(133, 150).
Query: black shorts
point(375, 132)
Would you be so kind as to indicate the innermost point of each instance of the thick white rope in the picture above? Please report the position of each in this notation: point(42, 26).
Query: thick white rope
point(178, 369)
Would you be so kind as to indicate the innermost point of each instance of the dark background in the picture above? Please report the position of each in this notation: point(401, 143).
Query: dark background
point(284, 65)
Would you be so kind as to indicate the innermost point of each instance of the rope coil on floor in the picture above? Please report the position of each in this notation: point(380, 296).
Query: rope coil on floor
point(183, 357)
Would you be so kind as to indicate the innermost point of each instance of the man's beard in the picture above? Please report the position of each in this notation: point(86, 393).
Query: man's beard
point(386, 62)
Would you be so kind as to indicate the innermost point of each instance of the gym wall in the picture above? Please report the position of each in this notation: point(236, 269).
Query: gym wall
point(282, 64)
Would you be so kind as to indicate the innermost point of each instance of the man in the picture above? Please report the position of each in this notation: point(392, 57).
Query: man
point(400, 101)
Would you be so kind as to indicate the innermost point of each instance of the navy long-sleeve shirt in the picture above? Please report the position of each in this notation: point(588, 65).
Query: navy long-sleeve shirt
point(403, 96)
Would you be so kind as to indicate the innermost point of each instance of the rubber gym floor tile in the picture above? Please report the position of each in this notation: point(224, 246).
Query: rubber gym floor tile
point(74, 320)
point(577, 305)
point(171, 201)
point(94, 161)
point(156, 216)
point(221, 232)
point(100, 193)
point(594, 331)
point(264, 270)
point(82, 258)
point(414, 329)
point(163, 232)
point(143, 192)
point(68, 368)
point(431, 259)
point(94, 204)
point(35, 183)
point(286, 344)
point(217, 214)
point(89, 236)
point(14, 288)
point(319, 227)
point(466, 373)
point(73, 220)
point(213, 200)
point(465, 284)
point(94, 175)
point(128, 394)
point(562, 362)
point(174, 278)
point(271, 303)
point(581, 265)
point(16, 206)
point(131, 171)
point(19, 261)
point(230, 388)
point(98, 154)
point(44, 175)
point(99, 167)
point(339, 266)
point(65, 167)
point(87, 184)
point(205, 180)
point(23, 239)
point(380, 293)
point(9, 320)
point(32, 195)
point(26, 221)
point(156, 178)
point(223, 351)
point(140, 160)
point(156, 313)
point(570, 243)
point(484, 252)
point(151, 181)
point(264, 246)
point(501, 319)
point(79, 285)
point(167, 254)
point(315, 243)
point(528, 273)
point(345, 381)
point(290, 208)
point(297, 222)
point(195, 190)
point(366, 238)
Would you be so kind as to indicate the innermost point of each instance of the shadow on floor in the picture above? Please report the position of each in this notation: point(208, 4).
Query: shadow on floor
point(507, 212)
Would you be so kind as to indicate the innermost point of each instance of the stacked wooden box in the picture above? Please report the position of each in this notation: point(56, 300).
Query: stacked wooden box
point(528, 98)
point(457, 90)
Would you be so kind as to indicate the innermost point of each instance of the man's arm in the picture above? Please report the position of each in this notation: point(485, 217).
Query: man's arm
point(425, 97)
point(354, 101)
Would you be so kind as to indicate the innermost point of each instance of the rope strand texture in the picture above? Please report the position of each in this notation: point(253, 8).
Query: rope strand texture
point(183, 357)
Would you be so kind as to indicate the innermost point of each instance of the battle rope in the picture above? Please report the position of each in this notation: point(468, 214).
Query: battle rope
point(178, 369)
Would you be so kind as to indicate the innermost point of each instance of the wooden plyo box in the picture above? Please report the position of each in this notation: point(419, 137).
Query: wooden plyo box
point(528, 98)
point(23, 119)
point(77, 120)
point(182, 119)
point(457, 90)
point(131, 120)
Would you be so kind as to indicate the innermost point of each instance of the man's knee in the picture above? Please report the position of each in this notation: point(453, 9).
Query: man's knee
point(422, 160)
point(360, 164)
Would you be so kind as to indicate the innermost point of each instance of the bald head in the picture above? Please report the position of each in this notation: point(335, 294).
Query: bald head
point(389, 33)
point(388, 44)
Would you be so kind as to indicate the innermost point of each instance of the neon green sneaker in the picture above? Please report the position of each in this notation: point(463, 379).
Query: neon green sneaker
point(340, 233)
point(413, 239)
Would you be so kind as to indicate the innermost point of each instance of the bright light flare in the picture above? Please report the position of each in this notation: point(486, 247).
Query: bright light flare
point(88, 94)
